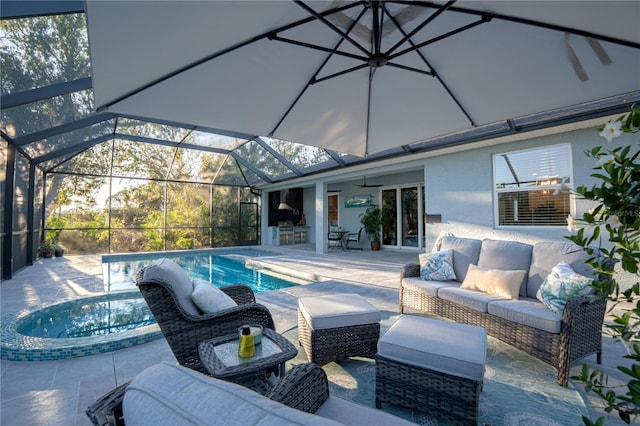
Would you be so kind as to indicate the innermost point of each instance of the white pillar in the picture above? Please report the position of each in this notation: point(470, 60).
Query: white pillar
point(322, 213)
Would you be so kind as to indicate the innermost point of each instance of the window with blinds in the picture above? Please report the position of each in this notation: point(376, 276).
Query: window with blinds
point(532, 186)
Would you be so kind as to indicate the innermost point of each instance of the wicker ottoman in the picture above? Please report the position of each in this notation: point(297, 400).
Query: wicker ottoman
point(432, 365)
point(337, 326)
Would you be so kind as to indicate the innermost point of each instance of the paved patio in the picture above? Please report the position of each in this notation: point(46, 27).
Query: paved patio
point(58, 392)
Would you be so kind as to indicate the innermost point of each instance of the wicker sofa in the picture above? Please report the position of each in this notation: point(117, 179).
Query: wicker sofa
point(169, 394)
point(525, 323)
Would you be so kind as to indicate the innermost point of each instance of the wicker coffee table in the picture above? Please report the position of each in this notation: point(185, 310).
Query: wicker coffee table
point(220, 357)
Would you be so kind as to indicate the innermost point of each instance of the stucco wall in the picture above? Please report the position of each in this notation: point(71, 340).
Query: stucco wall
point(459, 186)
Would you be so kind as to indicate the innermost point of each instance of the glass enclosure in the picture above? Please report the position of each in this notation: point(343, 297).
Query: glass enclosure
point(97, 183)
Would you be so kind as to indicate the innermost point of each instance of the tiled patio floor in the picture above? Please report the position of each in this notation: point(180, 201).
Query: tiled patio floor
point(58, 392)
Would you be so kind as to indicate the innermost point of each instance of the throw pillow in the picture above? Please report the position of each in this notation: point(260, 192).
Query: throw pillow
point(494, 281)
point(562, 284)
point(209, 298)
point(437, 266)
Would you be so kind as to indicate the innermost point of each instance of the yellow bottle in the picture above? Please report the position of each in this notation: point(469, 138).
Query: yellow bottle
point(246, 349)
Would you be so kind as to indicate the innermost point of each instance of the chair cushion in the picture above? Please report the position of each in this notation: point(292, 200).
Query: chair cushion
point(527, 311)
point(169, 394)
point(465, 252)
point(444, 346)
point(507, 256)
point(337, 310)
point(334, 234)
point(437, 266)
point(494, 281)
point(209, 298)
point(547, 254)
point(562, 284)
point(169, 273)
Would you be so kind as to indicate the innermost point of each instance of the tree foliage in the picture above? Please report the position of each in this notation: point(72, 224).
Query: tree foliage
point(616, 219)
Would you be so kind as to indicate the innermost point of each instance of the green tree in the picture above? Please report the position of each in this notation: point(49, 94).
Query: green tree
point(616, 219)
point(37, 52)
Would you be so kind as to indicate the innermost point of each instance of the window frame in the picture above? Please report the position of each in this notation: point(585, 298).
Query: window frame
point(552, 187)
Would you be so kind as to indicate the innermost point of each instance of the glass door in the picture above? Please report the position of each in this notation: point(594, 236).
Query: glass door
point(402, 212)
point(332, 209)
point(389, 217)
point(410, 225)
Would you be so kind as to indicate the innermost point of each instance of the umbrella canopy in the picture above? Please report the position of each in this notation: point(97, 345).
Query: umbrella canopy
point(358, 77)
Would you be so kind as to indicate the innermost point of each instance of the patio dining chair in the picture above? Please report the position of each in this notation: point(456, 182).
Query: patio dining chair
point(167, 289)
point(334, 237)
point(353, 237)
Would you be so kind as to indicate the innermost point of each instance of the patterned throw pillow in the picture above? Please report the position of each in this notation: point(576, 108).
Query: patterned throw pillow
point(437, 266)
point(562, 284)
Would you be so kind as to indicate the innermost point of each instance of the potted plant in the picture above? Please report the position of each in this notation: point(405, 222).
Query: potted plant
point(46, 248)
point(58, 250)
point(371, 220)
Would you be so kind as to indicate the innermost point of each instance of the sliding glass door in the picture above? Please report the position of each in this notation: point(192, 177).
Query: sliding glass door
point(389, 217)
point(410, 224)
point(402, 212)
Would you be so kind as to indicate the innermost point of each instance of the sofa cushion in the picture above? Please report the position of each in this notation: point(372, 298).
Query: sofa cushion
point(475, 300)
point(438, 242)
point(348, 413)
point(493, 281)
point(508, 256)
point(527, 311)
point(437, 266)
point(169, 394)
point(545, 255)
point(562, 284)
point(465, 252)
point(209, 298)
point(430, 288)
point(175, 278)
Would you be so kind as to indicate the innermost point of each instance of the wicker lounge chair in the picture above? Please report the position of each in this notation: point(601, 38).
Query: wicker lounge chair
point(304, 387)
point(301, 397)
point(167, 290)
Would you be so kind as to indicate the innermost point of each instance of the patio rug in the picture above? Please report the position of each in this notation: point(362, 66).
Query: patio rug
point(517, 390)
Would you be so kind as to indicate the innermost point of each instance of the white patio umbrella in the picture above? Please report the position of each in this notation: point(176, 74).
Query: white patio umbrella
point(358, 76)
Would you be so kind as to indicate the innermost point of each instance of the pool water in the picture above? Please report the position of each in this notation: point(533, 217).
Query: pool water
point(85, 317)
point(120, 317)
point(78, 327)
point(220, 267)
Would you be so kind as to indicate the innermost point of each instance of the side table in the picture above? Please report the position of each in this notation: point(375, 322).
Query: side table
point(220, 357)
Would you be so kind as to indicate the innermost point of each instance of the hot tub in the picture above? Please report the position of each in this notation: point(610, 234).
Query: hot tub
point(78, 327)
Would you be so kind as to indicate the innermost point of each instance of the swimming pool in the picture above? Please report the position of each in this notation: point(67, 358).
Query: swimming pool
point(120, 318)
point(218, 266)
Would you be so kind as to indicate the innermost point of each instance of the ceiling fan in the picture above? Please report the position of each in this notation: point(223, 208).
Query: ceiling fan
point(364, 185)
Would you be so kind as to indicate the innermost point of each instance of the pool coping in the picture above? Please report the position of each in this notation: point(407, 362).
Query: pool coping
point(19, 347)
point(116, 257)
